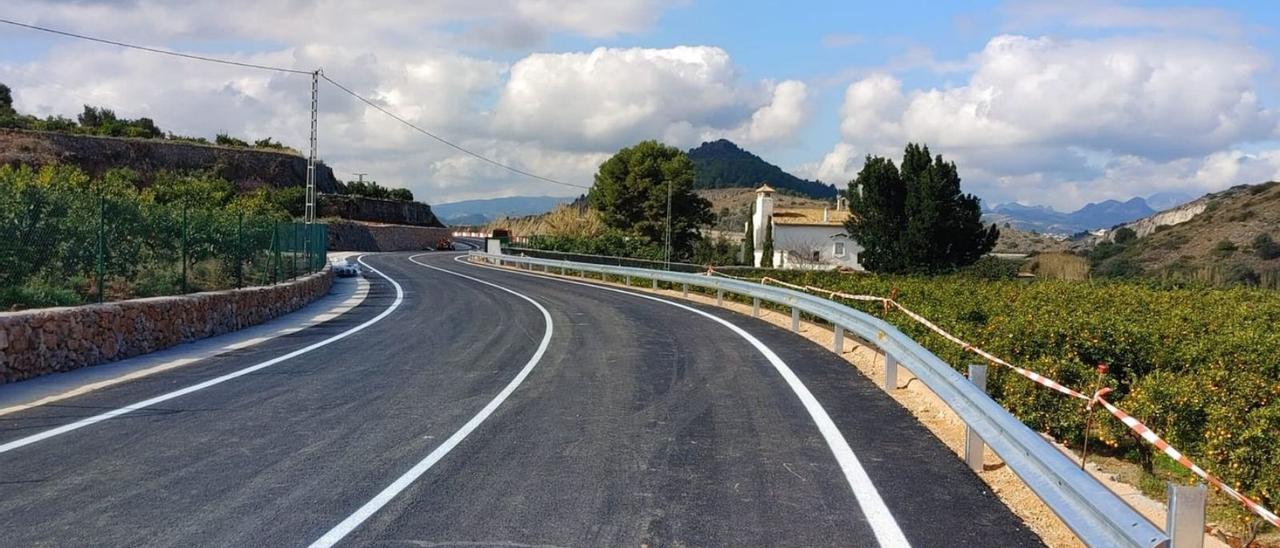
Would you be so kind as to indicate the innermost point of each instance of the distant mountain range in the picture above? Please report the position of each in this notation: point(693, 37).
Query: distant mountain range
point(722, 164)
point(1090, 217)
point(478, 212)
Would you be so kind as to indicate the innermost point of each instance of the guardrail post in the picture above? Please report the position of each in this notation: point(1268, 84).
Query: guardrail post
point(837, 340)
point(1185, 519)
point(655, 284)
point(719, 297)
point(795, 319)
point(890, 372)
point(685, 289)
point(972, 443)
point(628, 277)
point(755, 307)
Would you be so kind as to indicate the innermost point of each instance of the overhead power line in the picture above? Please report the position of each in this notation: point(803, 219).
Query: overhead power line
point(153, 50)
point(296, 71)
point(446, 141)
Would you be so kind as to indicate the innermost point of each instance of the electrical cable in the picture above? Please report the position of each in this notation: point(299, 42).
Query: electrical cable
point(153, 50)
point(296, 71)
point(443, 140)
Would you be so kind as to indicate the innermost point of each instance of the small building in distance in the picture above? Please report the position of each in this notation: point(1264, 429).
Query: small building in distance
point(803, 237)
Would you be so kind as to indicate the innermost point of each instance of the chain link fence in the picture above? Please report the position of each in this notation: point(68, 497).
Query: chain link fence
point(68, 246)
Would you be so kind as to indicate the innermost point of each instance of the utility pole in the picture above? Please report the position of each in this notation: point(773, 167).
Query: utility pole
point(309, 215)
point(310, 212)
point(667, 252)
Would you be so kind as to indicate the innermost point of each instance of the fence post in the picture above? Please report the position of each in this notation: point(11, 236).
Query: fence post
point(890, 372)
point(795, 319)
point(837, 340)
point(755, 307)
point(239, 251)
point(184, 247)
point(275, 252)
point(102, 245)
point(1184, 523)
point(972, 443)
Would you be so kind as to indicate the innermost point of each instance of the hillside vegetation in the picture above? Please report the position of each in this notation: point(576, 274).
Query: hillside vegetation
point(1234, 240)
point(722, 164)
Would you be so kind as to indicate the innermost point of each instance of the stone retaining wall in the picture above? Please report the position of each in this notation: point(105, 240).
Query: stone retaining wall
point(48, 340)
point(354, 236)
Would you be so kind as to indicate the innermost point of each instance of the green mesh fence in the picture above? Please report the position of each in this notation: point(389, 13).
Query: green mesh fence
point(67, 246)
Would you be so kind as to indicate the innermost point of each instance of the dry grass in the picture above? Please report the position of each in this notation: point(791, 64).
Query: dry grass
point(1059, 266)
point(564, 220)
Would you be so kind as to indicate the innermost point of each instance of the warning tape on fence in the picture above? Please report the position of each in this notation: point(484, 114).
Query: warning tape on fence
point(1137, 426)
point(1169, 451)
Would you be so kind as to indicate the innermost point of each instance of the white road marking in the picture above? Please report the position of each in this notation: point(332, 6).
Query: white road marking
point(21, 442)
point(886, 529)
point(401, 483)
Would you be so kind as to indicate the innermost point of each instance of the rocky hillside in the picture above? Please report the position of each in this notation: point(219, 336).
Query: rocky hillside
point(373, 210)
point(247, 168)
point(1228, 236)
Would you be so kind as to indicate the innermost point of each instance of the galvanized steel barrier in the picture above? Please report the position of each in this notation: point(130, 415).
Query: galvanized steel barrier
point(1094, 513)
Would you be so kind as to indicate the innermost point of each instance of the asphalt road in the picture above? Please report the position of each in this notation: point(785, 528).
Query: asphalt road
point(461, 417)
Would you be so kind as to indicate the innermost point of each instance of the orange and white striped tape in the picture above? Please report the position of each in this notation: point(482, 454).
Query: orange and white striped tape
point(1133, 424)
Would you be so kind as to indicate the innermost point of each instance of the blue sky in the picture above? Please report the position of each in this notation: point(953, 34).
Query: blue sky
point(1039, 102)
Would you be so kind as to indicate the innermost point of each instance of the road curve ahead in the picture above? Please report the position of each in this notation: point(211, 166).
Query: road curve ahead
point(480, 407)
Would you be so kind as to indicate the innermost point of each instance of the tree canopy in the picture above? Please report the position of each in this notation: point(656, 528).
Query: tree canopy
point(630, 192)
point(915, 219)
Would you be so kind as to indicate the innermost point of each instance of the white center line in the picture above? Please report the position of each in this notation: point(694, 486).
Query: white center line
point(401, 483)
point(22, 442)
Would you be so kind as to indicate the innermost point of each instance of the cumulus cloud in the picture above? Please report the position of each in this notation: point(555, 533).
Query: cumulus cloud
point(402, 55)
point(1046, 113)
point(612, 97)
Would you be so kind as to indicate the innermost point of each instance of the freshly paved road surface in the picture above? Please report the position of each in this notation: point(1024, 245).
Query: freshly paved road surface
point(460, 418)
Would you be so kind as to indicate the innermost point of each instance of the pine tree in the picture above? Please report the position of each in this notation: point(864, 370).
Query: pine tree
point(749, 244)
point(767, 260)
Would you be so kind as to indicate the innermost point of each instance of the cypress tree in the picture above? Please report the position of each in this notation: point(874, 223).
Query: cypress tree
point(876, 201)
point(767, 260)
point(916, 220)
point(749, 243)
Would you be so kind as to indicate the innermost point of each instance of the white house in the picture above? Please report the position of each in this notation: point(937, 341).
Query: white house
point(809, 237)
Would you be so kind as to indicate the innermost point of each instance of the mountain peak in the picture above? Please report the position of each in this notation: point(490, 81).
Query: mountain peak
point(723, 164)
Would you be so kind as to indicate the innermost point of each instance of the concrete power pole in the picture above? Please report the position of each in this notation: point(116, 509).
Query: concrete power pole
point(310, 214)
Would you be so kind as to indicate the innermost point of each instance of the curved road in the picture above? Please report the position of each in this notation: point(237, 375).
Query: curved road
point(478, 407)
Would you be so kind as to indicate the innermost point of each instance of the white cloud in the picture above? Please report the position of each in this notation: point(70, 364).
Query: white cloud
point(1039, 113)
point(837, 167)
point(400, 54)
point(613, 97)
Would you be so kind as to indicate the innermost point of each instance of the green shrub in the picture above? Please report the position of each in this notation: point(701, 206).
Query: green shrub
point(1224, 248)
point(1265, 247)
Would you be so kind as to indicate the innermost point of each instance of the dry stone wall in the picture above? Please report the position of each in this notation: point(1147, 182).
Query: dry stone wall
point(37, 342)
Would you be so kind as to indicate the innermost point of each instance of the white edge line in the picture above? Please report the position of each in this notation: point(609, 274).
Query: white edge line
point(366, 511)
point(21, 442)
point(886, 529)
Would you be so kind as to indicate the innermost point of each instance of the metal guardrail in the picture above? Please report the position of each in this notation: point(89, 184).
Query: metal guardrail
point(1095, 514)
